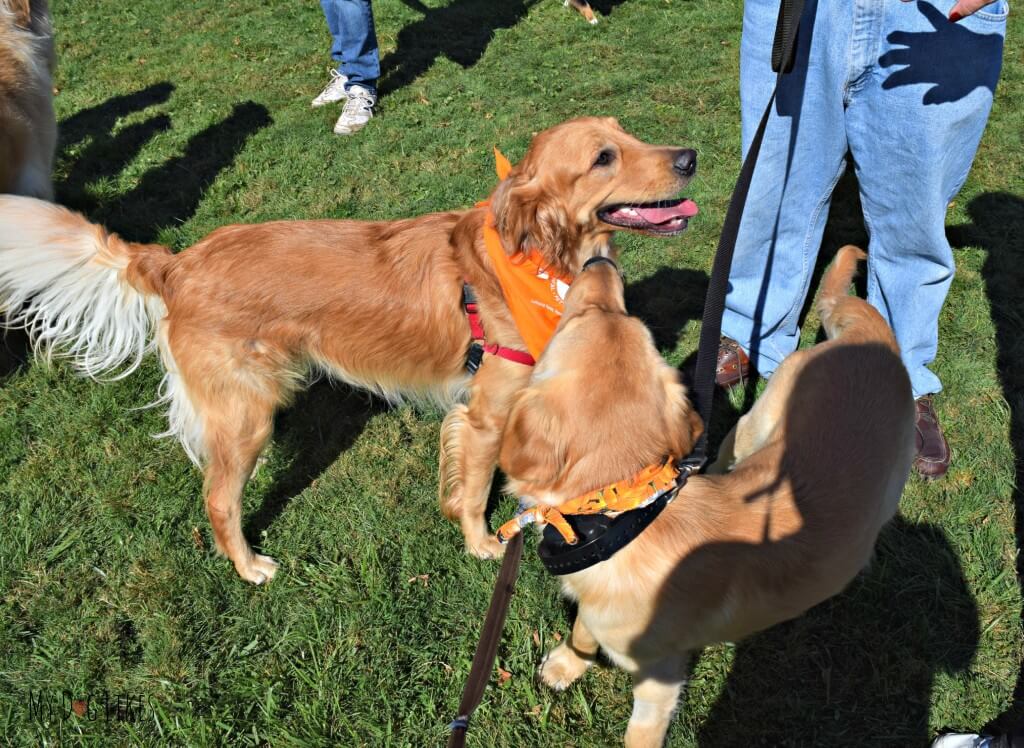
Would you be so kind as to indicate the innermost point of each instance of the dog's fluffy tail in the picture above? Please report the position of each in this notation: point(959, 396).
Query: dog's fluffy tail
point(848, 316)
point(80, 292)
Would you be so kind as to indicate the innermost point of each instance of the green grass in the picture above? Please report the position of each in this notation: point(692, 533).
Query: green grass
point(178, 118)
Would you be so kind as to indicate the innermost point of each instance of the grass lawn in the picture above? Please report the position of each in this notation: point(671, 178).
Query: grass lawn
point(177, 118)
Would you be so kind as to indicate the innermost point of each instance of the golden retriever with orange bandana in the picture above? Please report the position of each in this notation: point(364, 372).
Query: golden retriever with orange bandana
point(240, 317)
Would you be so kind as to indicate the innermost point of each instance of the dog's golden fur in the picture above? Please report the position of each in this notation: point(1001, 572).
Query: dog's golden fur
point(28, 129)
point(804, 483)
point(241, 316)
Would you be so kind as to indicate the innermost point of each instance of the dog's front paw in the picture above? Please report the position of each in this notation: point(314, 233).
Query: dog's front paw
point(561, 666)
point(258, 570)
point(486, 547)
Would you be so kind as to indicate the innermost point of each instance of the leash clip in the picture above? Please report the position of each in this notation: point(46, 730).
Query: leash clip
point(692, 463)
point(474, 357)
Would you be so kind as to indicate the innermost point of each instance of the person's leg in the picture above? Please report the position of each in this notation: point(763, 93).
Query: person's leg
point(355, 41)
point(914, 123)
point(801, 159)
point(334, 91)
point(333, 18)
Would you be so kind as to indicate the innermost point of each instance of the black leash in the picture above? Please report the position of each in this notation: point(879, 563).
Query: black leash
point(487, 647)
point(783, 55)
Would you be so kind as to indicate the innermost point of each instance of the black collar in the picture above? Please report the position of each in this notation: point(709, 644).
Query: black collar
point(599, 258)
point(601, 536)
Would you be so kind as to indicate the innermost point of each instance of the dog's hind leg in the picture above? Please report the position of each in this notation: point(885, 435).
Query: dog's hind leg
point(235, 435)
point(231, 389)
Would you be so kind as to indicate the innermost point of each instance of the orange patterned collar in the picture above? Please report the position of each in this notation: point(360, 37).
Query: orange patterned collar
point(632, 493)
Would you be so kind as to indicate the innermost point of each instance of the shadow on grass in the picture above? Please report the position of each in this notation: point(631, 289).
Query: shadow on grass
point(165, 195)
point(859, 669)
point(15, 351)
point(666, 301)
point(459, 31)
point(323, 422)
point(96, 122)
point(997, 225)
point(605, 7)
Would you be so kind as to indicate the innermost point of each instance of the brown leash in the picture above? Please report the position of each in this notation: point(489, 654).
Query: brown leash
point(487, 648)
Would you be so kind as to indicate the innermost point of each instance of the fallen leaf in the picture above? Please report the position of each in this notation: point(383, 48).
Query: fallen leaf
point(536, 637)
point(503, 676)
point(558, 637)
point(197, 539)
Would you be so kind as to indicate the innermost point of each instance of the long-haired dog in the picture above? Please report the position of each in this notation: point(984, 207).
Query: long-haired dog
point(28, 129)
point(240, 317)
point(812, 473)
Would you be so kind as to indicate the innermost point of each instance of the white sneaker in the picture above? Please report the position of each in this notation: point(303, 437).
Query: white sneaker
point(357, 112)
point(963, 740)
point(333, 91)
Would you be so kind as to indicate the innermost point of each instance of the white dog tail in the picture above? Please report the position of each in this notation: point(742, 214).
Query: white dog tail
point(80, 292)
point(850, 317)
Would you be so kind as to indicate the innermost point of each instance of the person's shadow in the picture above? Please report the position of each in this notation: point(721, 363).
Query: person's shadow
point(997, 226)
point(104, 154)
point(923, 58)
point(167, 194)
point(88, 153)
point(459, 31)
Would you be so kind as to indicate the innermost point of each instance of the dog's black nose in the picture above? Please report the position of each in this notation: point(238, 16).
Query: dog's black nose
point(686, 162)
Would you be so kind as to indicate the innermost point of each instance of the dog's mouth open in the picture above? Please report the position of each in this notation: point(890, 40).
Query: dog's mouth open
point(663, 218)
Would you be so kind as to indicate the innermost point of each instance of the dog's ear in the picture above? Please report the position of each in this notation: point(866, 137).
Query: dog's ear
point(683, 424)
point(532, 449)
point(528, 213)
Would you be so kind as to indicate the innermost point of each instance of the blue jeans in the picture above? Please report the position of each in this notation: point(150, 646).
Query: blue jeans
point(355, 41)
point(906, 94)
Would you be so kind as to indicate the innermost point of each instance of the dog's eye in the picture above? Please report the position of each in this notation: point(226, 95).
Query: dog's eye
point(605, 157)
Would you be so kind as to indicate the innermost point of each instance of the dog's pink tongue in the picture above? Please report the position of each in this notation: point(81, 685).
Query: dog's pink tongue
point(683, 209)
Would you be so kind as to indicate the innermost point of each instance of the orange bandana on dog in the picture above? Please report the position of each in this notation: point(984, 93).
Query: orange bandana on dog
point(535, 293)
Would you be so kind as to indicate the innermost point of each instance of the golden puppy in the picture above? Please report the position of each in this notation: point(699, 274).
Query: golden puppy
point(28, 129)
point(240, 317)
point(816, 468)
